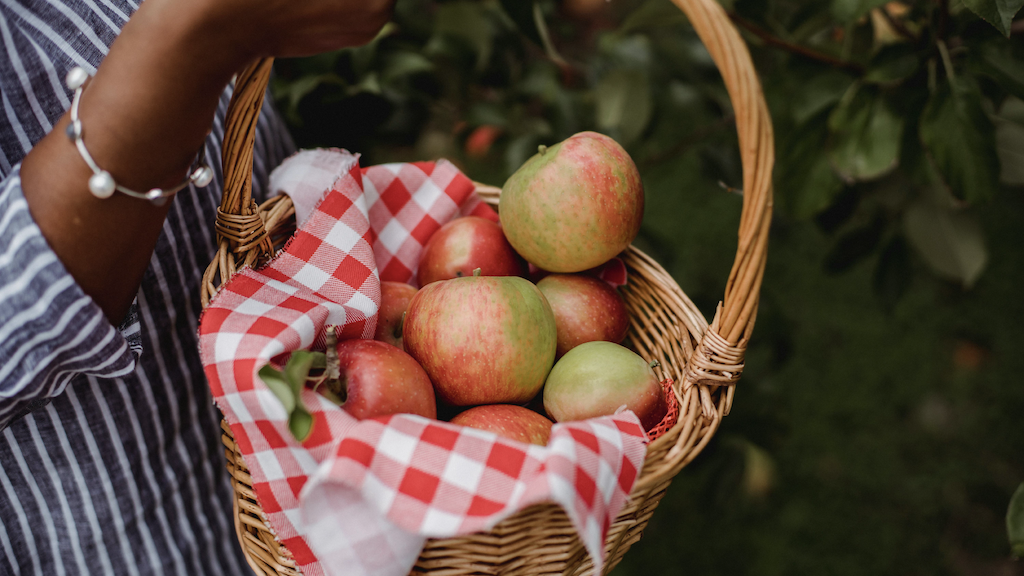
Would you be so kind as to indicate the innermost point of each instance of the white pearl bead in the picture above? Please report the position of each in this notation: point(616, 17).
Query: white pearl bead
point(202, 176)
point(102, 185)
point(76, 77)
point(154, 194)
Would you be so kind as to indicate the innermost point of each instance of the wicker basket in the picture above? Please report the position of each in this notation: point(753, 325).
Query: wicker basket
point(704, 360)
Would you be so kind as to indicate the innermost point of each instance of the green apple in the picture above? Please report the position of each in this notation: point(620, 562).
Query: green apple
point(597, 378)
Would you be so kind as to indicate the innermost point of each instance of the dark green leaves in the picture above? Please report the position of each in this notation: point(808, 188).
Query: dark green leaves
point(806, 184)
point(1010, 144)
point(998, 61)
point(949, 240)
point(288, 386)
point(866, 135)
point(1015, 522)
point(960, 139)
point(624, 103)
point(998, 13)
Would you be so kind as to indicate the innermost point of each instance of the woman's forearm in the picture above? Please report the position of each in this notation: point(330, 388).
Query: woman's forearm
point(144, 115)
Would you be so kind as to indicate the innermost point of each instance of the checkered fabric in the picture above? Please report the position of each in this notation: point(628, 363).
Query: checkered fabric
point(362, 497)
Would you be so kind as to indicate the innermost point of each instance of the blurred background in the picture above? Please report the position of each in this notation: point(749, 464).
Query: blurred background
point(878, 426)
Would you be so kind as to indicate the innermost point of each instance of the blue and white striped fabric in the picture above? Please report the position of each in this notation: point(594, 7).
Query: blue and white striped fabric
point(110, 459)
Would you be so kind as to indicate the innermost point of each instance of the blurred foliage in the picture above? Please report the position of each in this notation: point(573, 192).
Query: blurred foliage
point(875, 429)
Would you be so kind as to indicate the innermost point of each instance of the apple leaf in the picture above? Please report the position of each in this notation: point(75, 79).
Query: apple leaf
point(1010, 146)
point(624, 103)
point(866, 135)
point(949, 240)
point(998, 13)
point(893, 64)
point(997, 60)
point(288, 386)
point(1015, 522)
point(960, 140)
point(806, 184)
point(521, 13)
point(1010, 141)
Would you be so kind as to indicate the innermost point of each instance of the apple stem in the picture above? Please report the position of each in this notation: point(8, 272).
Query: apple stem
point(334, 381)
point(476, 272)
point(333, 366)
point(654, 364)
point(542, 149)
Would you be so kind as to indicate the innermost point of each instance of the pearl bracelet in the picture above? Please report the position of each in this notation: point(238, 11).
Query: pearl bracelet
point(101, 183)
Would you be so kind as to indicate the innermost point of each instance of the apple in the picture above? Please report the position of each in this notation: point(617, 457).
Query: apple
point(482, 339)
point(463, 245)
point(378, 379)
point(507, 420)
point(586, 309)
point(394, 301)
point(597, 378)
point(574, 205)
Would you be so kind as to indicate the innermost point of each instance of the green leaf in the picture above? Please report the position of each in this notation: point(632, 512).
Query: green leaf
point(998, 61)
point(998, 13)
point(404, 63)
point(624, 103)
point(300, 423)
point(652, 14)
point(1010, 146)
point(290, 94)
point(810, 96)
point(274, 379)
point(1015, 522)
point(960, 139)
point(521, 13)
point(866, 135)
point(468, 22)
point(893, 64)
point(806, 183)
point(950, 241)
point(850, 10)
point(288, 386)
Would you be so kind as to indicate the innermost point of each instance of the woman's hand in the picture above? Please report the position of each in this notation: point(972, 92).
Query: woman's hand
point(283, 28)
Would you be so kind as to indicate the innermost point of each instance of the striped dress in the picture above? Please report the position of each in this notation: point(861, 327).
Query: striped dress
point(110, 458)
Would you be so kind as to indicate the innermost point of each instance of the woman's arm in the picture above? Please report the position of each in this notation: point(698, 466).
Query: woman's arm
point(147, 111)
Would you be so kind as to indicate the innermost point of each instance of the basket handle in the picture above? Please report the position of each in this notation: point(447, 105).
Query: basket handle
point(718, 359)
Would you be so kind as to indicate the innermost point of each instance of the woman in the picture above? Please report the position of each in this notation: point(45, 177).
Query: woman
point(109, 456)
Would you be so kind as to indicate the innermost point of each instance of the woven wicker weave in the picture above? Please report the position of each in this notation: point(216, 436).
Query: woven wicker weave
point(704, 360)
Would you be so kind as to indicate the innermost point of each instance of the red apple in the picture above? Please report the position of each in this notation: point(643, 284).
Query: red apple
point(482, 339)
point(596, 378)
point(394, 301)
point(574, 205)
point(586, 309)
point(463, 245)
point(508, 420)
point(378, 379)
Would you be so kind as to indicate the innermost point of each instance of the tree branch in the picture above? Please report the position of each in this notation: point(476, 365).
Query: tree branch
point(771, 40)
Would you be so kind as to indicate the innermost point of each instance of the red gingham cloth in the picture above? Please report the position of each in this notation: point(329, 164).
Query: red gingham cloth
point(362, 497)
